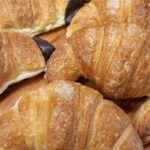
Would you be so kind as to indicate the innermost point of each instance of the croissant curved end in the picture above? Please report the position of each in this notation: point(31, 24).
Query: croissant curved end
point(46, 48)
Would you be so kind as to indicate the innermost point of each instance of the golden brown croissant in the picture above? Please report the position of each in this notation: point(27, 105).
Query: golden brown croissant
point(66, 116)
point(32, 16)
point(101, 12)
point(115, 56)
point(20, 58)
point(139, 112)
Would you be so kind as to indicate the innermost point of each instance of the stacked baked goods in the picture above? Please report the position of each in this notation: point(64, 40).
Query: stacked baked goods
point(108, 43)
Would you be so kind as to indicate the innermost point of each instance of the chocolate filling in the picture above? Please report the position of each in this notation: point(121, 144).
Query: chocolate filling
point(72, 9)
point(45, 47)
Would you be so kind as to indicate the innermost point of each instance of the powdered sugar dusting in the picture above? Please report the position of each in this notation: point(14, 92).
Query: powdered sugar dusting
point(43, 93)
point(65, 90)
point(113, 6)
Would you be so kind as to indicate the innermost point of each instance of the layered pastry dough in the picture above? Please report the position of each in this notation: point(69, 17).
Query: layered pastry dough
point(20, 58)
point(66, 115)
point(101, 12)
point(115, 56)
point(139, 112)
point(32, 16)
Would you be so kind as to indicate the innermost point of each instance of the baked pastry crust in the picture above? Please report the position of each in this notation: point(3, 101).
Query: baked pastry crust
point(115, 56)
point(102, 12)
point(66, 115)
point(20, 58)
point(139, 112)
point(137, 109)
point(32, 16)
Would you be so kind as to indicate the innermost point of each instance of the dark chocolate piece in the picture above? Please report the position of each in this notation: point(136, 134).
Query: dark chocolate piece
point(72, 9)
point(45, 47)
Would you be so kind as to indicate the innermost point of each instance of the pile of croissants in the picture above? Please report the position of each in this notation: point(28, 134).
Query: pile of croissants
point(107, 43)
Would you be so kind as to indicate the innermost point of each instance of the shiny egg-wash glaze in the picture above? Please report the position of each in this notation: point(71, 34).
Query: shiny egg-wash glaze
point(66, 116)
point(115, 56)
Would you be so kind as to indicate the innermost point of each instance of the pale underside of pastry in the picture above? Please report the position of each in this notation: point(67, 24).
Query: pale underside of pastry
point(20, 58)
point(32, 16)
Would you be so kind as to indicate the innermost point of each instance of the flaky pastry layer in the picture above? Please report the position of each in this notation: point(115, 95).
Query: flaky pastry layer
point(20, 58)
point(60, 21)
point(31, 16)
point(66, 115)
point(20, 77)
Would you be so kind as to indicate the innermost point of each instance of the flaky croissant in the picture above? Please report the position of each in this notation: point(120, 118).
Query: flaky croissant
point(32, 16)
point(115, 56)
point(65, 115)
point(20, 58)
point(139, 112)
point(101, 12)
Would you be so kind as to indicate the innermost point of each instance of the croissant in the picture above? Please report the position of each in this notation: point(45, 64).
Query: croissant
point(115, 56)
point(20, 58)
point(37, 16)
point(32, 16)
point(104, 11)
point(139, 111)
point(66, 115)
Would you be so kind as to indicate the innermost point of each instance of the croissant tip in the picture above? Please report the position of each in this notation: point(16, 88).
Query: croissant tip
point(46, 48)
point(72, 9)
